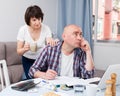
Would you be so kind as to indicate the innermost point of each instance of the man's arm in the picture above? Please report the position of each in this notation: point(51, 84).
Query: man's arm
point(49, 74)
point(36, 69)
point(89, 60)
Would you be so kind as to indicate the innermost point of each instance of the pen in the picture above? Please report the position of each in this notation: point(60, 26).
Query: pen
point(45, 82)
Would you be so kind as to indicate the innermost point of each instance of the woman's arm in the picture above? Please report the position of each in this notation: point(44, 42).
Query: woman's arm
point(22, 47)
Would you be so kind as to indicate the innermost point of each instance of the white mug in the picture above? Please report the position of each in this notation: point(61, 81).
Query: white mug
point(33, 47)
point(91, 90)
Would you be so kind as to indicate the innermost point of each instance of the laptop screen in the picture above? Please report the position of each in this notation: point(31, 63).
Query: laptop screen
point(115, 68)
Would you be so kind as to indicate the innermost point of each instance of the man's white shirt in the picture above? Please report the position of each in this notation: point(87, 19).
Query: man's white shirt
point(67, 65)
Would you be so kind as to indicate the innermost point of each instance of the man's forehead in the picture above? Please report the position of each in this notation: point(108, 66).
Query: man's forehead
point(75, 27)
point(72, 28)
point(76, 30)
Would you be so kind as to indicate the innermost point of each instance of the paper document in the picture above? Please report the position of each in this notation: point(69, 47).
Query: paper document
point(67, 80)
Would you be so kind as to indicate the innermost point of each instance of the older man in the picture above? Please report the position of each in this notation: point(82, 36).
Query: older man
point(71, 57)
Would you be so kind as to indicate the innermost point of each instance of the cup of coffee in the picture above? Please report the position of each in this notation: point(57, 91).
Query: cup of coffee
point(33, 47)
point(91, 89)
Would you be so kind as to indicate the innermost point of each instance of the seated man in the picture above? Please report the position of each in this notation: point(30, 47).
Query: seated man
point(71, 57)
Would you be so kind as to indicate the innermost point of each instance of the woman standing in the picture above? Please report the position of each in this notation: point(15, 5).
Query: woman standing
point(32, 37)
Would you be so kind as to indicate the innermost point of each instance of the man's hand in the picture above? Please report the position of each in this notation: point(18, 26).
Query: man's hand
point(50, 74)
point(85, 45)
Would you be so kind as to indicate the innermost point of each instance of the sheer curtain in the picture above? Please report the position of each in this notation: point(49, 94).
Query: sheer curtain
point(75, 12)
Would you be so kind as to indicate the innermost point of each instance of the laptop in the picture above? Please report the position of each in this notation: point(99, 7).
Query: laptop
point(115, 68)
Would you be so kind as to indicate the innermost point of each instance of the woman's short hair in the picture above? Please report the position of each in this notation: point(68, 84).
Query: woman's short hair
point(33, 11)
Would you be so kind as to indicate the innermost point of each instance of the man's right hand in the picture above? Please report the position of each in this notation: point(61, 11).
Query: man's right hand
point(50, 74)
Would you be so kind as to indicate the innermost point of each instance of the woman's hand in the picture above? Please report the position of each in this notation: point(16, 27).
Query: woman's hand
point(52, 42)
point(22, 47)
point(26, 47)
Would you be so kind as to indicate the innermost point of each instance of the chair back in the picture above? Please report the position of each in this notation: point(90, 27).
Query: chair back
point(4, 77)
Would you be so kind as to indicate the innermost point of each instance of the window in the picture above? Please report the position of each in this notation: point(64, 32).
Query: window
point(107, 20)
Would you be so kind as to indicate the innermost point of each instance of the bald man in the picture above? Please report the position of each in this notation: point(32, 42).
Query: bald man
point(71, 57)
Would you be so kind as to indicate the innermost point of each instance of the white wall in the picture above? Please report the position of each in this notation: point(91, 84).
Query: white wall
point(12, 16)
point(106, 54)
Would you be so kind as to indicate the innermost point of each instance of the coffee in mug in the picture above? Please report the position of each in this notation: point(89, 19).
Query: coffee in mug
point(33, 47)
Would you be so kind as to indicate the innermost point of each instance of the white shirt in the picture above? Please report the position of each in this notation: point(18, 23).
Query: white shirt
point(67, 65)
point(24, 35)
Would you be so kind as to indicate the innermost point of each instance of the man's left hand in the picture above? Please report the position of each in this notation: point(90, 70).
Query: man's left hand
point(85, 45)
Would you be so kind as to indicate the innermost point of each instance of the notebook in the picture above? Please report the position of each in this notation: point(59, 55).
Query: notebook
point(115, 68)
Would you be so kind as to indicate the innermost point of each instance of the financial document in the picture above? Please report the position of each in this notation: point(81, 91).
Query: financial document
point(70, 80)
point(67, 80)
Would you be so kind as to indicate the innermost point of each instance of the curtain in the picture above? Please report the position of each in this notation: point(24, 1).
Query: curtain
point(77, 12)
